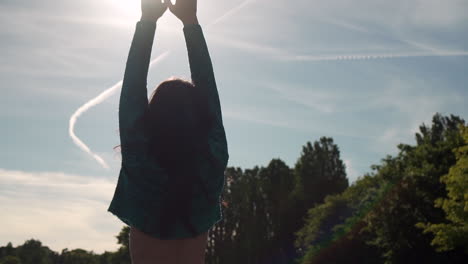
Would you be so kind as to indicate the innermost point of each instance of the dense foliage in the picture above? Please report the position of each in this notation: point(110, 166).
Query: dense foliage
point(412, 207)
point(389, 216)
point(453, 232)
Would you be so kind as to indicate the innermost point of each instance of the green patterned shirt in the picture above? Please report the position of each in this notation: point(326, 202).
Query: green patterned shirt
point(140, 189)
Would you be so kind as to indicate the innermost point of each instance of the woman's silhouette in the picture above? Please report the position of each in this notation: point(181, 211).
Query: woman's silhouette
point(174, 149)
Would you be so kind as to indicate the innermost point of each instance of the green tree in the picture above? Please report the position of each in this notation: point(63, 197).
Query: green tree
point(277, 184)
point(222, 236)
point(453, 233)
point(414, 177)
point(8, 250)
point(10, 260)
point(375, 219)
point(319, 172)
point(122, 256)
point(333, 230)
point(255, 216)
point(123, 238)
point(78, 256)
point(251, 224)
point(32, 252)
point(106, 257)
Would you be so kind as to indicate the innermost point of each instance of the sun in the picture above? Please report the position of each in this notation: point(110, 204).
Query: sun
point(130, 4)
point(130, 7)
point(130, 10)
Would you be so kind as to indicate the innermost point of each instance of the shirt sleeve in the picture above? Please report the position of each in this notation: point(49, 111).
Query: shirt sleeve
point(203, 78)
point(133, 105)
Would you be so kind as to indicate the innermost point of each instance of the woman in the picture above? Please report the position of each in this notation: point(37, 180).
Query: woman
point(174, 149)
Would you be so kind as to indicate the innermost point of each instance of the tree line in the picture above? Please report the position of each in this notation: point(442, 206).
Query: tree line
point(412, 207)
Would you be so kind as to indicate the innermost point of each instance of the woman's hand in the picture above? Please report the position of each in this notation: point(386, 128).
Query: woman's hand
point(152, 10)
point(185, 10)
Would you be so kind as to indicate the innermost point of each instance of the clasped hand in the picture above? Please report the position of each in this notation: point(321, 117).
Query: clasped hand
point(185, 10)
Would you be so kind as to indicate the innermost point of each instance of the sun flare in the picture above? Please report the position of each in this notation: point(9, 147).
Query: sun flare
point(129, 7)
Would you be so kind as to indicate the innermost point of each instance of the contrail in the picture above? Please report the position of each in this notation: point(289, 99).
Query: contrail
point(93, 102)
point(230, 12)
point(372, 56)
point(111, 90)
point(71, 128)
point(283, 54)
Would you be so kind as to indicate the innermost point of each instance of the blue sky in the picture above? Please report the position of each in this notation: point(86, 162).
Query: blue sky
point(366, 73)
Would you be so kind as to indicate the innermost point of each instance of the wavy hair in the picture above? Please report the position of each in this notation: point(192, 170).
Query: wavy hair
point(178, 123)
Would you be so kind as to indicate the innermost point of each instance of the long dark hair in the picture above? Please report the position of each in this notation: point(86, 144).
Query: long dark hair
point(178, 123)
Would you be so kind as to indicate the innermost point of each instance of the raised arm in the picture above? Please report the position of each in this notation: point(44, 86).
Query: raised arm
point(133, 97)
point(202, 72)
point(201, 68)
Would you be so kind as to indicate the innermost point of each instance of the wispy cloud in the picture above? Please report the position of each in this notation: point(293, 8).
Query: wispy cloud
point(343, 24)
point(350, 170)
point(413, 101)
point(255, 115)
point(231, 12)
point(414, 98)
point(61, 210)
point(111, 90)
point(397, 12)
point(317, 99)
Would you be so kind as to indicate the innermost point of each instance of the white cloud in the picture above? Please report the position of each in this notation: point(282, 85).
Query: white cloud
point(397, 12)
point(435, 12)
point(61, 210)
point(415, 98)
point(231, 12)
point(256, 115)
point(315, 98)
point(250, 46)
point(315, 30)
point(350, 170)
point(413, 101)
point(392, 137)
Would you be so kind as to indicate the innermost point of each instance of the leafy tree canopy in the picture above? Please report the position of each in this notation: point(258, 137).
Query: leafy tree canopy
point(453, 233)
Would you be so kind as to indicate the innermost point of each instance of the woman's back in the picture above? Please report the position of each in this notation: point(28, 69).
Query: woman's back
point(142, 181)
point(173, 159)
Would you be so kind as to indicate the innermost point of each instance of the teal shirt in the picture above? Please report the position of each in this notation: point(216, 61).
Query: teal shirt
point(140, 189)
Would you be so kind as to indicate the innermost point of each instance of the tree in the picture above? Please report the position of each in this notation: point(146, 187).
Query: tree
point(122, 256)
point(8, 250)
point(375, 220)
point(453, 233)
point(10, 260)
point(78, 256)
point(277, 184)
point(386, 216)
point(414, 180)
point(319, 172)
point(32, 251)
point(106, 258)
point(123, 238)
point(333, 230)
point(222, 235)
